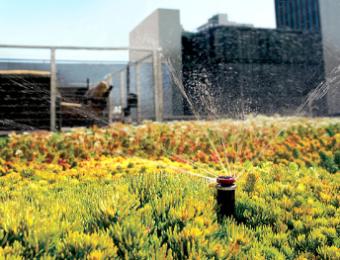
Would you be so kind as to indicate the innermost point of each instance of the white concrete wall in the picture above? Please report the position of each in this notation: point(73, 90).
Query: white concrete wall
point(330, 26)
point(145, 35)
point(162, 29)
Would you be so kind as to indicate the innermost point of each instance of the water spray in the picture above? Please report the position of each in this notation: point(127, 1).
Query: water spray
point(226, 196)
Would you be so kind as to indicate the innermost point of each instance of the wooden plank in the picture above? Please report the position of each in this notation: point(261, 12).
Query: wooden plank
point(68, 104)
point(25, 72)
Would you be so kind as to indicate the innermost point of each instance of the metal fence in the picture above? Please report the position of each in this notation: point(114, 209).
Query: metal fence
point(142, 78)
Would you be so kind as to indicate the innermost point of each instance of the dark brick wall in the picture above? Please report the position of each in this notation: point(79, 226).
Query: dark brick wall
point(229, 70)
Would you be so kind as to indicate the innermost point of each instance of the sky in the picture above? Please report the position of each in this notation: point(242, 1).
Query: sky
point(108, 22)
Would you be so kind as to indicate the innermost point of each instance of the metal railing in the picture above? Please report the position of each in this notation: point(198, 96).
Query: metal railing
point(157, 77)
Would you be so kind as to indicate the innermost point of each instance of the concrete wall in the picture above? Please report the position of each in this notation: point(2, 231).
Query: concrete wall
point(330, 27)
point(162, 29)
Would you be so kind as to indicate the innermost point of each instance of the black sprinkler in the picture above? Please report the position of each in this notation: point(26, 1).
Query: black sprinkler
point(226, 196)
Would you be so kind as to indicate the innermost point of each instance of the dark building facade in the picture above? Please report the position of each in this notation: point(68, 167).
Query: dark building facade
point(320, 16)
point(298, 15)
point(235, 71)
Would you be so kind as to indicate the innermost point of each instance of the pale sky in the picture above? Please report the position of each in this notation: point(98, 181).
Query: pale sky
point(108, 22)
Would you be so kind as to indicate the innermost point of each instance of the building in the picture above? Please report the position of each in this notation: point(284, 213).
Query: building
point(298, 15)
point(161, 30)
point(321, 16)
point(223, 69)
point(237, 70)
point(220, 20)
point(229, 69)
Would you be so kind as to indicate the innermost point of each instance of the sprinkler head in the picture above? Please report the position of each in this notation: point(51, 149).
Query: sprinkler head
point(225, 181)
point(225, 196)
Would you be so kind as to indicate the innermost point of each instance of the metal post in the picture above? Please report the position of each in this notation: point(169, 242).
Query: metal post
point(53, 90)
point(122, 92)
point(110, 102)
point(128, 78)
point(139, 96)
point(158, 85)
